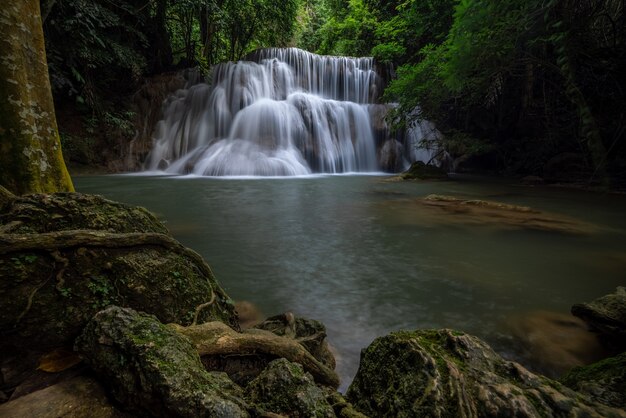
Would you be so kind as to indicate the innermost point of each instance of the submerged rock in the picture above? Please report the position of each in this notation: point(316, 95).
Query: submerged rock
point(285, 388)
point(64, 257)
point(607, 315)
point(444, 374)
point(450, 210)
point(604, 382)
point(153, 370)
point(553, 342)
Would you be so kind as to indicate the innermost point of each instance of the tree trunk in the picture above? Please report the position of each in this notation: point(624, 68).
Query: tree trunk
point(30, 149)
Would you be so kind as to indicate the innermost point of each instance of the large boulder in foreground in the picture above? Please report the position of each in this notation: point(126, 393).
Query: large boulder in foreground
point(154, 371)
point(443, 373)
point(64, 257)
point(607, 315)
point(604, 381)
point(285, 388)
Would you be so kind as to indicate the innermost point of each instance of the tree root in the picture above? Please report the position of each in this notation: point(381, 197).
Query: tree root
point(64, 263)
point(5, 195)
point(55, 241)
point(216, 338)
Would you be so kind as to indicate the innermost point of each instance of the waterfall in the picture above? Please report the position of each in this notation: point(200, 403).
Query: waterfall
point(282, 112)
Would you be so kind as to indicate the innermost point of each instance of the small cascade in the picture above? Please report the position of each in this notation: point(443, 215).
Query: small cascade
point(282, 112)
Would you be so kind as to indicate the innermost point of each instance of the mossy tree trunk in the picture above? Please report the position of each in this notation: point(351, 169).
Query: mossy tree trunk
point(30, 149)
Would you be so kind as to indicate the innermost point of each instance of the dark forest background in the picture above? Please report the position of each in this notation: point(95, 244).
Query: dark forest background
point(516, 87)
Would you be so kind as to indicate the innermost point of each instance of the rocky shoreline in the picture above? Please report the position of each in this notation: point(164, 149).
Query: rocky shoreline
point(104, 314)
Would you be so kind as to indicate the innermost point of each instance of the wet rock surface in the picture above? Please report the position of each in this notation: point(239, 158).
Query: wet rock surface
point(152, 370)
point(606, 315)
point(604, 381)
point(285, 388)
point(443, 373)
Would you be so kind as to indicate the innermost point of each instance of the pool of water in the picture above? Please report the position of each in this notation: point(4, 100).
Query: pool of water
point(352, 252)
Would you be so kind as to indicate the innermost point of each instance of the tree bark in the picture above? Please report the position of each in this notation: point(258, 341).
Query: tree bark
point(30, 148)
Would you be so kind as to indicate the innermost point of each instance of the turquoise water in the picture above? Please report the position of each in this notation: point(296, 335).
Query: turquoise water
point(353, 252)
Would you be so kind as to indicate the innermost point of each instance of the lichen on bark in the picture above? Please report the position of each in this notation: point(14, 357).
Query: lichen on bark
point(31, 160)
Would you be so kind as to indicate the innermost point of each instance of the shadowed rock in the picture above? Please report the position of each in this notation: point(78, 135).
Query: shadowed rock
point(285, 388)
point(603, 382)
point(606, 315)
point(76, 398)
point(309, 333)
point(64, 257)
point(152, 370)
point(444, 374)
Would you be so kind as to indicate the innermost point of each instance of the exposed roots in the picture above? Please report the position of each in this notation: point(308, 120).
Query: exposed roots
point(54, 242)
point(218, 339)
point(64, 263)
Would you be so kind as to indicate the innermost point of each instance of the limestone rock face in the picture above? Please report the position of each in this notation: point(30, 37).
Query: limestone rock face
point(604, 381)
point(607, 315)
point(154, 371)
point(443, 373)
point(64, 257)
point(284, 388)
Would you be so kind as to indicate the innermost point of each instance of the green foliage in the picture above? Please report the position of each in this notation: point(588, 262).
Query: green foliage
point(102, 290)
point(86, 40)
point(526, 77)
point(353, 34)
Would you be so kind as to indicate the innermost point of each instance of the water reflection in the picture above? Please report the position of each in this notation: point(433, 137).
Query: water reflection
point(338, 249)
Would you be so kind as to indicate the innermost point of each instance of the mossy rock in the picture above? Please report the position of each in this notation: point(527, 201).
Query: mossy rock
point(38, 214)
point(443, 373)
point(152, 370)
point(64, 257)
point(422, 171)
point(604, 381)
point(607, 315)
point(285, 388)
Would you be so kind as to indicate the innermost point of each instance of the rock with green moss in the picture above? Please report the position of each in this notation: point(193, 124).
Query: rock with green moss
point(604, 381)
point(421, 171)
point(154, 371)
point(311, 334)
point(606, 315)
point(285, 388)
point(342, 408)
point(442, 373)
point(64, 257)
point(38, 214)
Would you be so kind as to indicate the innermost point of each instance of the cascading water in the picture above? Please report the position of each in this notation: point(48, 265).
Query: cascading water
point(285, 112)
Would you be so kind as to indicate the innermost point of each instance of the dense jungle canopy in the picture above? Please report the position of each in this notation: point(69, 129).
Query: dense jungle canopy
point(517, 87)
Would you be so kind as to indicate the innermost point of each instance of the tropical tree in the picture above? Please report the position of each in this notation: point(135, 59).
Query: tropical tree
point(30, 150)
